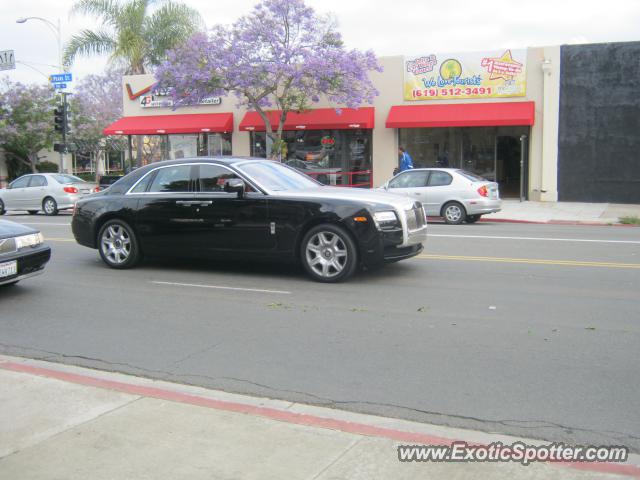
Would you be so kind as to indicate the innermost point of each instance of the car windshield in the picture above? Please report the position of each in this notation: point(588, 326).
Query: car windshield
point(65, 179)
point(276, 177)
point(472, 176)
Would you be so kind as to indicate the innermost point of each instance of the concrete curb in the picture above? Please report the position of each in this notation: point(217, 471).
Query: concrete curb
point(315, 417)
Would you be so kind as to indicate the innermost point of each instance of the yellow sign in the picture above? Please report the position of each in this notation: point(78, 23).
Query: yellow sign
point(466, 75)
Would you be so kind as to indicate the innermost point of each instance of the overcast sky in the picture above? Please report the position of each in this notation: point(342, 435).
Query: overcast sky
point(391, 27)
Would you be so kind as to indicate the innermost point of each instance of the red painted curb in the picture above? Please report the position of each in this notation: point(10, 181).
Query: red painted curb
point(281, 415)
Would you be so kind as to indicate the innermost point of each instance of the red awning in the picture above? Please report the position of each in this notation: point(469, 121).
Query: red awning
point(318, 119)
point(162, 124)
point(462, 115)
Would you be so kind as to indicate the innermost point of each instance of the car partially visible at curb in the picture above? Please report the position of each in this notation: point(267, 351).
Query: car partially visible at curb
point(23, 253)
point(47, 192)
point(453, 194)
point(247, 208)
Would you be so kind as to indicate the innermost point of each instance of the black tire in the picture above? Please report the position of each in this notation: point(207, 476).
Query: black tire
point(453, 213)
point(33, 212)
point(473, 218)
point(335, 250)
point(2, 210)
point(118, 245)
point(49, 206)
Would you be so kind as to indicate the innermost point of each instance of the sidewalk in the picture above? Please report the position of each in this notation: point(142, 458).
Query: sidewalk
point(563, 212)
point(62, 422)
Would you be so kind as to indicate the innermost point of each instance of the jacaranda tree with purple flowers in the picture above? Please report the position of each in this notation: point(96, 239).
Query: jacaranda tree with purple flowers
point(96, 103)
point(26, 121)
point(283, 56)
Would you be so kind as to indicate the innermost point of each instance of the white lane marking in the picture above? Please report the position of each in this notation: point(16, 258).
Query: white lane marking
point(45, 223)
point(218, 287)
point(584, 240)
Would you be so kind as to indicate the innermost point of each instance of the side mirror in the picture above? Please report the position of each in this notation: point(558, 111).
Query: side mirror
point(234, 185)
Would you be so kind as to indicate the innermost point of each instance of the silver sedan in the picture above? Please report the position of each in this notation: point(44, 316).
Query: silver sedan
point(456, 195)
point(49, 192)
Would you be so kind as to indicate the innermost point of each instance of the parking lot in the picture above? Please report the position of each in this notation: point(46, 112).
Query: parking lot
point(524, 329)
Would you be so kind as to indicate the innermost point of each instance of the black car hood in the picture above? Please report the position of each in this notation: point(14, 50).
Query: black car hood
point(13, 229)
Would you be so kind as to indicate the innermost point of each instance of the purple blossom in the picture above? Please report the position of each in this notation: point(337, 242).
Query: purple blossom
point(283, 56)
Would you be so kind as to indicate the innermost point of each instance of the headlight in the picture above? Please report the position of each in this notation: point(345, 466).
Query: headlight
point(386, 220)
point(31, 240)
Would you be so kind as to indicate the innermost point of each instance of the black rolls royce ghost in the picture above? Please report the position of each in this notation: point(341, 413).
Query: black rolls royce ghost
point(22, 252)
point(247, 208)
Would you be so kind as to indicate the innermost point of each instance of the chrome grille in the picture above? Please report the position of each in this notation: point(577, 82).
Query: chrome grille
point(415, 217)
point(7, 245)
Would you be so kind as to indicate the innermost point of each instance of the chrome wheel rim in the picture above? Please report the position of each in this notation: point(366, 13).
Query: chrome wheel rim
point(326, 254)
point(49, 206)
point(453, 213)
point(116, 244)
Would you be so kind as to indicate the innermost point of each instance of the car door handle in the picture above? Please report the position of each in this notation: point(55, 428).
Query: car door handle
point(190, 203)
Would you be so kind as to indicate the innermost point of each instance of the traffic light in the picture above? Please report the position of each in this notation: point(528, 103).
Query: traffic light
point(60, 119)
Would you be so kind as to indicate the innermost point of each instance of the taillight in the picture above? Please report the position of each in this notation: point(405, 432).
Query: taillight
point(70, 189)
point(483, 191)
point(96, 190)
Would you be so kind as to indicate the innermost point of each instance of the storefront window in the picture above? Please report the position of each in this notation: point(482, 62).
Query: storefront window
point(491, 152)
point(148, 148)
point(183, 146)
point(333, 157)
point(215, 144)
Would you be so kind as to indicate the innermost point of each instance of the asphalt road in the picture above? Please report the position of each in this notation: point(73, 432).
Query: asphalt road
point(532, 330)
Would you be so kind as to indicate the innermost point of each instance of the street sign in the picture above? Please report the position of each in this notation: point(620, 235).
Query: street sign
point(7, 60)
point(60, 78)
point(59, 86)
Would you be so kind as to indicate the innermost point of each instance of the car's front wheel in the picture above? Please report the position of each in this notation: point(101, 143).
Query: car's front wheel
point(473, 218)
point(453, 213)
point(2, 210)
point(118, 245)
point(328, 253)
point(49, 206)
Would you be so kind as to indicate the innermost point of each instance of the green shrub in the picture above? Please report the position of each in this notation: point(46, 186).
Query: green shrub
point(47, 167)
point(87, 176)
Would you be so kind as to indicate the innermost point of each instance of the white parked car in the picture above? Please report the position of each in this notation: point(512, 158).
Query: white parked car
point(49, 192)
point(456, 195)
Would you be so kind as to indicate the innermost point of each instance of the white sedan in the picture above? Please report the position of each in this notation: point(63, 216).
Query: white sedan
point(49, 192)
point(455, 195)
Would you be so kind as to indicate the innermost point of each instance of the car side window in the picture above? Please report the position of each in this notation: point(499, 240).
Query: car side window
point(38, 181)
point(142, 185)
point(172, 179)
point(439, 179)
point(212, 177)
point(410, 179)
point(20, 182)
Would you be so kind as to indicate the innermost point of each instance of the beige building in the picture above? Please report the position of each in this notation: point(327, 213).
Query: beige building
point(461, 117)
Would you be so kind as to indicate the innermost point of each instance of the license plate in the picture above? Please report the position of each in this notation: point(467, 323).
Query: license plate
point(84, 191)
point(8, 269)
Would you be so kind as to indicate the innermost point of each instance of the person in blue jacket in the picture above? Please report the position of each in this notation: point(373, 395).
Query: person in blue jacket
point(406, 162)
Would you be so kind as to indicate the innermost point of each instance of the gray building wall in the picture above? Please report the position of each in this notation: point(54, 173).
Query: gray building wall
point(599, 131)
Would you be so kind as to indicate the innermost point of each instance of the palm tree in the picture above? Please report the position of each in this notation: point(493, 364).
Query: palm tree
point(132, 32)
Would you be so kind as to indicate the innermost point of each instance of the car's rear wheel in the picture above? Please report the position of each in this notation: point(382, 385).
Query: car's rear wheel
point(2, 210)
point(118, 245)
point(453, 213)
point(328, 253)
point(473, 218)
point(32, 212)
point(49, 206)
